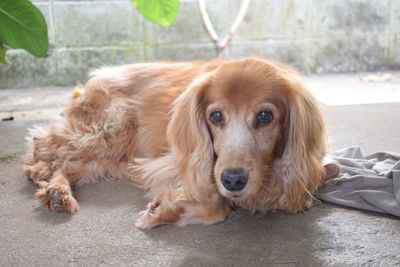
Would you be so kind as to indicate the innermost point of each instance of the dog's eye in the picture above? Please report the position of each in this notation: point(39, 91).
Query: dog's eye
point(264, 117)
point(216, 117)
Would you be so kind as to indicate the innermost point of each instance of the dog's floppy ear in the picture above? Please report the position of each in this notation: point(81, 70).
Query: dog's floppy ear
point(301, 165)
point(190, 141)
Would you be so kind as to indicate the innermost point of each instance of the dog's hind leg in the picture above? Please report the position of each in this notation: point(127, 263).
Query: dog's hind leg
point(56, 194)
point(42, 148)
point(39, 171)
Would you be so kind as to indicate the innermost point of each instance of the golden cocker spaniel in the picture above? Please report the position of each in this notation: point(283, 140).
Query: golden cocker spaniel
point(198, 136)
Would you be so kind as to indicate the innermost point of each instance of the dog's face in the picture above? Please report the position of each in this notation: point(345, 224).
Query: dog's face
point(245, 114)
point(253, 125)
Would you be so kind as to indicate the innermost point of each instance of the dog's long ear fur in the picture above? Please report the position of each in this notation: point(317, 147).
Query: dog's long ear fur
point(190, 141)
point(301, 165)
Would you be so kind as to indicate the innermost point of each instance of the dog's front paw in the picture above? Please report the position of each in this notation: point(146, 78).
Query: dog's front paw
point(150, 217)
point(159, 211)
point(285, 204)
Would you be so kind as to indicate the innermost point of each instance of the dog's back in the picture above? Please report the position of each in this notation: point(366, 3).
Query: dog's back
point(137, 98)
point(122, 114)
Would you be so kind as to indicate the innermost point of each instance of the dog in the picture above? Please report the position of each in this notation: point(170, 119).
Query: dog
point(199, 137)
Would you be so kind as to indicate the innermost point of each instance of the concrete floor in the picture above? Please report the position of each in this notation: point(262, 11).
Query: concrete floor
point(102, 232)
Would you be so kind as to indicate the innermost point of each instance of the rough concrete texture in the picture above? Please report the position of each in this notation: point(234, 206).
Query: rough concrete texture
point(102, 232)
point(314, 35)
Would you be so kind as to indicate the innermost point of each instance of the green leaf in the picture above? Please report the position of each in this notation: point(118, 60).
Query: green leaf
point(162, 12)
point(22, 25)
point(3, 54)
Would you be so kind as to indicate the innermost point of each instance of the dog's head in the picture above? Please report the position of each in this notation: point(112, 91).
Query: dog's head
point(248, 121)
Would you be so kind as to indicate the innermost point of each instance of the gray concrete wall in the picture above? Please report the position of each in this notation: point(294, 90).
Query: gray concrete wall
point(316, 36)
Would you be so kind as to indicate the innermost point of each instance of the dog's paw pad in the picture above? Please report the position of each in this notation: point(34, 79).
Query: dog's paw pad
point(59, 199)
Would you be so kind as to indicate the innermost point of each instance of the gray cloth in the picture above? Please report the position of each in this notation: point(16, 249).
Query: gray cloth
point(365, 182)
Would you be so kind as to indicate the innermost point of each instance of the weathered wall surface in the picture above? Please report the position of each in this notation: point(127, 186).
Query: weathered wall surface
point(313, 35)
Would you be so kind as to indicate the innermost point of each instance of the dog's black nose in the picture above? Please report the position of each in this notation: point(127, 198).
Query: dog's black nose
point(234, 179)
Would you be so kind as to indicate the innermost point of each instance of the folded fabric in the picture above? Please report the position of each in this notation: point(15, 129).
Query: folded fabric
point(365, 182)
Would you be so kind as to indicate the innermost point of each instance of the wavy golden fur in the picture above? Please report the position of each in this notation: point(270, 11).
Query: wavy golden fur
point(199, 136)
